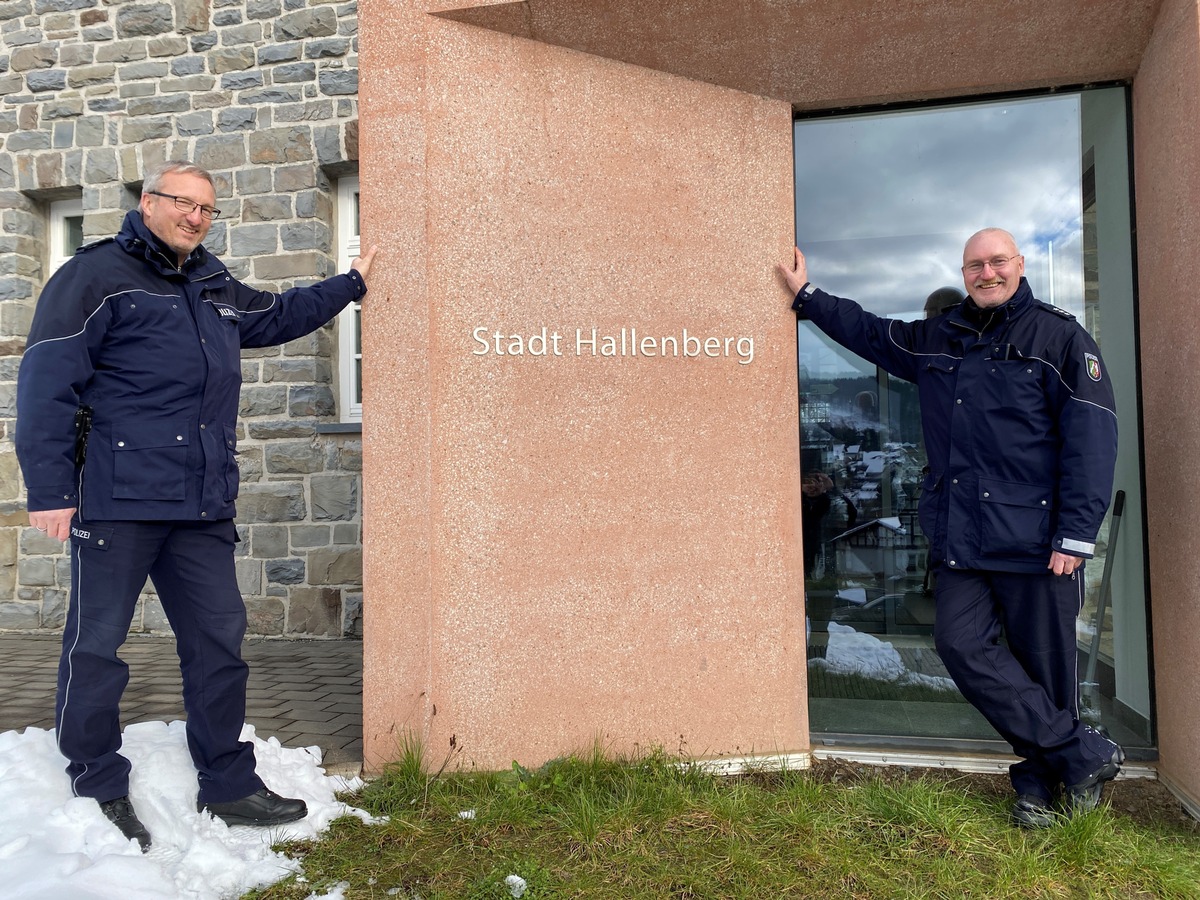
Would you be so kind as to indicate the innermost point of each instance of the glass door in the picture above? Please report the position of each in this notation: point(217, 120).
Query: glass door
point(884, 204)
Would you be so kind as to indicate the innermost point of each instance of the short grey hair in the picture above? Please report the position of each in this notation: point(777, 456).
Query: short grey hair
point(153, 179)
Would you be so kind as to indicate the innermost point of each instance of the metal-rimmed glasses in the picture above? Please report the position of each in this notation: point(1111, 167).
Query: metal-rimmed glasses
point(184, 205)
point(996, 262)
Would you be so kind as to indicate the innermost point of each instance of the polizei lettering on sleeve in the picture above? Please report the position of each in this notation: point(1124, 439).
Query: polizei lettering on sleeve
point(625, 343)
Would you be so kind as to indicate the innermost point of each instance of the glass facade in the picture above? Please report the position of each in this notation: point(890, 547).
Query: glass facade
point(884, 204)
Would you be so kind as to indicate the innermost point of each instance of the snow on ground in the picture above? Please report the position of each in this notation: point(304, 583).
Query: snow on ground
point(851, 652)
point(54, 846)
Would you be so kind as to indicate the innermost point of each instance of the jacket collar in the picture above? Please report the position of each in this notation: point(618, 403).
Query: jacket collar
point(968, 315)
point(136, 239)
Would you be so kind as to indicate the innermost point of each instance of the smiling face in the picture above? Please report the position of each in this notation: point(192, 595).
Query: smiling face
point(180, 231)
point(1002, 267)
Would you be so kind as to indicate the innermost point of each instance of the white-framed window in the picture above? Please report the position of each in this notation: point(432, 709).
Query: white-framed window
point(350, 319)
point(66, 231)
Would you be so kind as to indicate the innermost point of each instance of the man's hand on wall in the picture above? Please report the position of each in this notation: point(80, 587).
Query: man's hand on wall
point(795, 276)
point(363, 263)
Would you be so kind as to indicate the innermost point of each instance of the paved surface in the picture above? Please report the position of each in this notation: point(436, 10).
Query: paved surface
point(304, 693)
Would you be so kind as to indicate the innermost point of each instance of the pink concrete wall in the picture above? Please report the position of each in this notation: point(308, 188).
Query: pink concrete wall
point(565, 548)
point(1166, 113)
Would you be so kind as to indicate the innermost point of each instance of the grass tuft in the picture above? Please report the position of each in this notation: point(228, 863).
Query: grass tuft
point(590, 825)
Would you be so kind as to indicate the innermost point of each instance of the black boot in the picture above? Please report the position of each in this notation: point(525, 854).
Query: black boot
point(120, 813)
point(264, 807)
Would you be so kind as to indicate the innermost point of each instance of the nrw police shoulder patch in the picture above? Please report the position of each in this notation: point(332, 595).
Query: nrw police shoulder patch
point(1093, 365)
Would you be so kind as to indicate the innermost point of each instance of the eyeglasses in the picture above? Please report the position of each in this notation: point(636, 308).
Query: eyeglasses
point(184, 205)
point(997, 263)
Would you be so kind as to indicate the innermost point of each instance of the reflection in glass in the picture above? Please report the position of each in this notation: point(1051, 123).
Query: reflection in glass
point(884, 204)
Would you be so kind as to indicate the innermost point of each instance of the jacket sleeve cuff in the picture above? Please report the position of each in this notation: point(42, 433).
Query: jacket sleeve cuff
point(1073, 547)
point(360, 284)
point(60, 497)
point(805, 292)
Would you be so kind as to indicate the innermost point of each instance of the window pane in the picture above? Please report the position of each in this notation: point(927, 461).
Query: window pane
point(884, 203)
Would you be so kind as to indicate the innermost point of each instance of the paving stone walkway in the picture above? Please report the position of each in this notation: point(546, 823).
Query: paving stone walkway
point(304, 693)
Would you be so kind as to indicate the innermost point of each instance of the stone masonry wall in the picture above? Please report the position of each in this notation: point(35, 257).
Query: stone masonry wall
point(263, 93)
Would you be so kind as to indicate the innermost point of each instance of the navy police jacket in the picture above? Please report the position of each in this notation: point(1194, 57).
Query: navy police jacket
point(1019, 422)
point(153, 349)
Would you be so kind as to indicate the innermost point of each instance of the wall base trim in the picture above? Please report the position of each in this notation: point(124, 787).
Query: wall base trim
point(1189, 803)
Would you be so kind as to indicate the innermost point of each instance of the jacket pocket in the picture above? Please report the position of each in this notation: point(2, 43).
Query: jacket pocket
point(232, 473)
point(150, 460)
point(1014, 518)
point(929, 508)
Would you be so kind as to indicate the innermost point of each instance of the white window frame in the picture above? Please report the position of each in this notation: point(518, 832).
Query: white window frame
point(61, 211)
point(350, 318)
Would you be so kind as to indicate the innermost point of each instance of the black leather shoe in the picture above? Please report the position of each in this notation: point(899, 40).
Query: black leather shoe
point(1031, 811)
point(264, 807)
point(120, 813)
point(1085, 796)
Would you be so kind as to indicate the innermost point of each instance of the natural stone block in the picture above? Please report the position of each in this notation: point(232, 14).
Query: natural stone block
point(252, 240)
point(352, 624)
point(187, 65)
point(263, 9)
point(141, 130)
point(294, 370)
point(18, 616)
point(291, 266)
point(36, 571)
point(275, 53)
point(278, 145)
point(220, 152)
point(346, 533)
point(139, 20)
point(293, 179)
point(268, 541)
point(243, 119)
point(334, 497)
point(293, 458)
point(307, 537)
point(277, 501)
point(285, 571)
point(315, 611)
point(311, 400)
point(192, 84)
point(48, 80)
point(308, 23)
point(121, 51)
point(169, 45)
point(159, 106)
point(330, 48)
point(249, 575)
point(290, 428)
point(262, 401)
point(266, 208)
point(54, 608)
point(195, 123)
point(250, 33)
point(202, 43)
point(82, 76)
point(335, 565)
point(231, 59)
point(265, 615)
point(41, 56)
point(339, 83)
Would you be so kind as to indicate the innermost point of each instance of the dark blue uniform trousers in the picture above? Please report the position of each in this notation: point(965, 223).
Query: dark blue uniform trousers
point(191, 566)
point(1029, 689)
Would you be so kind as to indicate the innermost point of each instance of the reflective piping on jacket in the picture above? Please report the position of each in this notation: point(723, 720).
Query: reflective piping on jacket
point(1068, 545)
point(247, 312)
point(904, 349)
point(103, 301)
point(1071, 389)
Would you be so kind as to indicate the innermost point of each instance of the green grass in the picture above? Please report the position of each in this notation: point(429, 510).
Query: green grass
point(655, 827)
